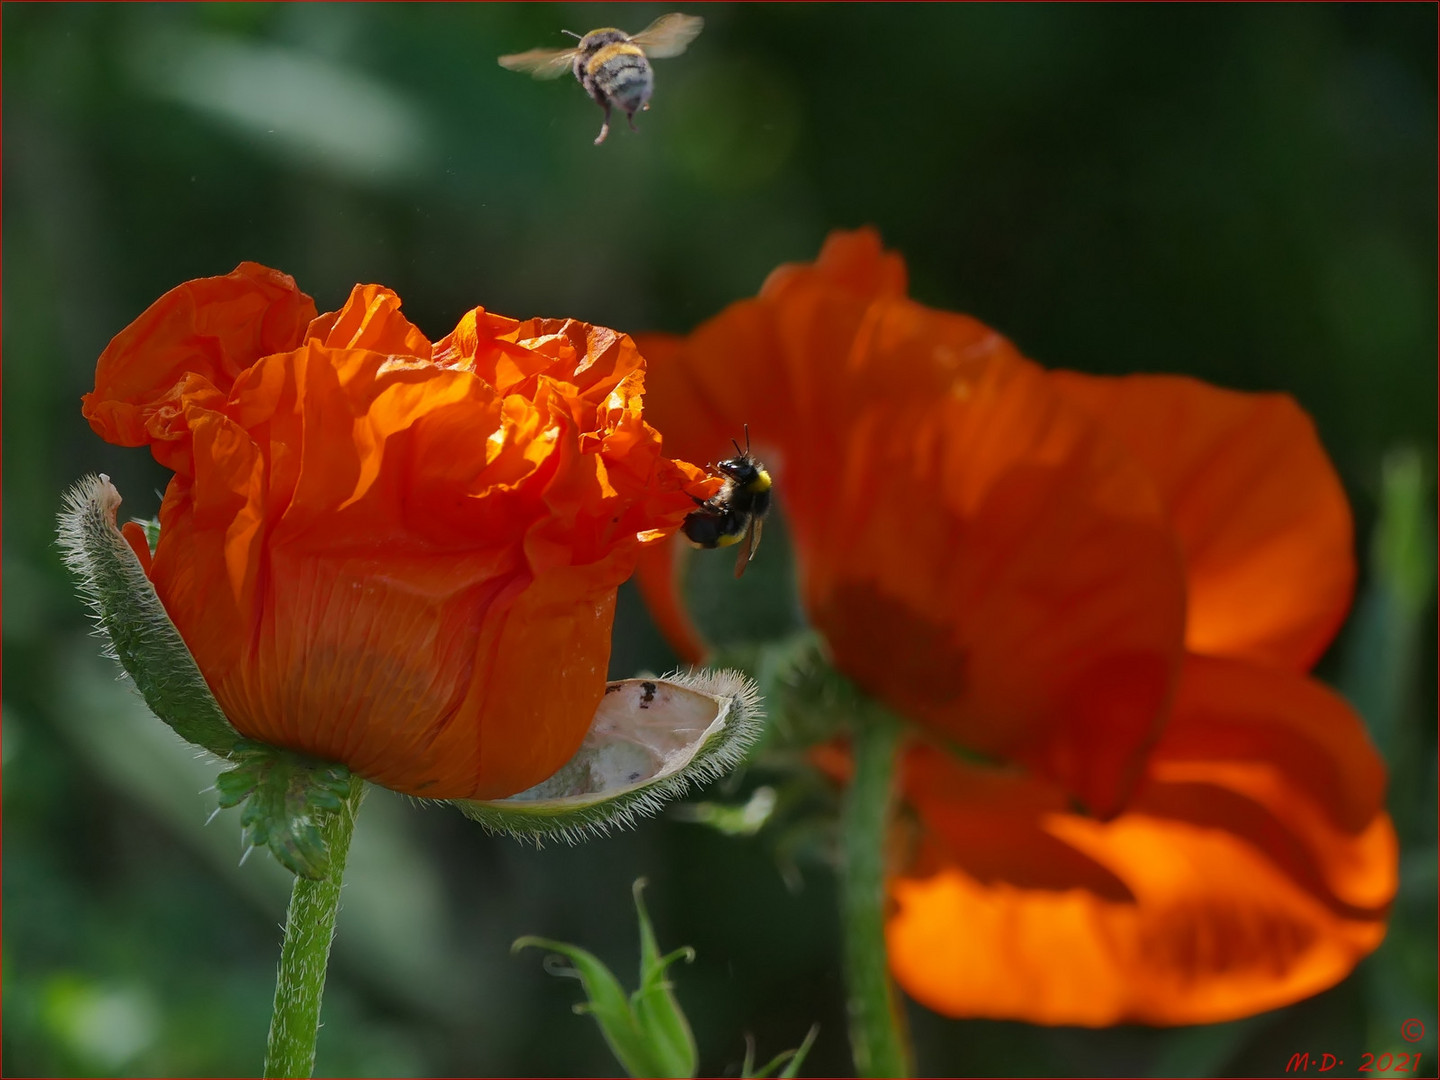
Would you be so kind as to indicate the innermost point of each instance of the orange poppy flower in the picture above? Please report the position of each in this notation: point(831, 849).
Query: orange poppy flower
point(391, 553)
point(1113, 586)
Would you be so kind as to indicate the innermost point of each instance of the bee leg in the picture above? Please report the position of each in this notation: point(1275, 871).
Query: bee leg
point(604, 128)
point(631, 117)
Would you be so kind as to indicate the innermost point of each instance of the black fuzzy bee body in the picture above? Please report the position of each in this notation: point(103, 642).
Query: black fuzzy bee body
point(734, 514)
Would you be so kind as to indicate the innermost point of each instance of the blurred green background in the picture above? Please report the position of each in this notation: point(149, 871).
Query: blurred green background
point(1242, 193)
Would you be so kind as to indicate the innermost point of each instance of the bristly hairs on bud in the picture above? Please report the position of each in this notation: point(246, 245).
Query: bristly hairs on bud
point(129, 617)
point(652, 739)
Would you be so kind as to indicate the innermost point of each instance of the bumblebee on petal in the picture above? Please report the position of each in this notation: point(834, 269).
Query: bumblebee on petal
point(613, 66)
point(736, 513)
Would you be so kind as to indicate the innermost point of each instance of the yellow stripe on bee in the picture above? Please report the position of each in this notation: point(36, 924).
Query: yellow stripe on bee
point(760, 483)
point(606, 53)
point(726, 539)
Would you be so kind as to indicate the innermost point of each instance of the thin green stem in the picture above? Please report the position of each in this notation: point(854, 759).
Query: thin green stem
point(877, 1035)
point(309, 929)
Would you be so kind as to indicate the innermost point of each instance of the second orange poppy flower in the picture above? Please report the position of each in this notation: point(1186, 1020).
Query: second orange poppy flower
point(1112, 586)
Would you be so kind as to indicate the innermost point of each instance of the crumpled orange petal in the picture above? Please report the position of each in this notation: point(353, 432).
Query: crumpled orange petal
point(370, 319)
point(1255, 503)
point(392, 554)
point(1254, 867)
point(191, 343)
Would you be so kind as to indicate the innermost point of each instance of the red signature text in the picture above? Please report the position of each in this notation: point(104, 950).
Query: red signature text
point(1301, 1062)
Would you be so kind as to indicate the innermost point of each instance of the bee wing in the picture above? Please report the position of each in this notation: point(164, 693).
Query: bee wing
point(749, 546)
point(668, 35)
point(542, 63)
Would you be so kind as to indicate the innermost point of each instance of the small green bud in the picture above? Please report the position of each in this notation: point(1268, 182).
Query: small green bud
point(658, 1014)
point(647, 1032)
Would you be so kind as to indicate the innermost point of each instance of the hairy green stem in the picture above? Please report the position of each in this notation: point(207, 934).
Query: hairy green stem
point(877, 1035)
point(305, 954)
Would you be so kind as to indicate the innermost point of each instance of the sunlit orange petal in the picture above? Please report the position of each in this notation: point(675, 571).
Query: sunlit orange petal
point(1236, 881)
point(370, 319)
point(1255, 502)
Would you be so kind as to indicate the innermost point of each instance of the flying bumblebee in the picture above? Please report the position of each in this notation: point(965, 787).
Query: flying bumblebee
point(734, 514)
point(613, 66)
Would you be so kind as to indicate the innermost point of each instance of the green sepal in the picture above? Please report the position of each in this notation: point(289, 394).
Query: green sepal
point(133, 622)
point(286, 797)
point(647, 1031)
point(650, 740)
